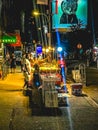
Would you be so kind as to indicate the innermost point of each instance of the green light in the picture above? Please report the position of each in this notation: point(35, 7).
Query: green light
point(8, 39)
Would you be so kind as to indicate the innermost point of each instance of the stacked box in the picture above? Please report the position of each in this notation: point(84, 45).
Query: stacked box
point(47, 86)
point(51, 99)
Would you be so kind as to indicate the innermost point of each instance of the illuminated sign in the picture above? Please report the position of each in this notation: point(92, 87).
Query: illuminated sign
point(69, 12)
point(18, 41)
point(8, 39)
point(39, 49)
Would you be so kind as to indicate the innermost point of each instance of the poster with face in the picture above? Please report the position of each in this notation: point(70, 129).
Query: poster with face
point(69, 12)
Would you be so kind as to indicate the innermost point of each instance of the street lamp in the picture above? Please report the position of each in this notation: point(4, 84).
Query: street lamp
point(36, 13)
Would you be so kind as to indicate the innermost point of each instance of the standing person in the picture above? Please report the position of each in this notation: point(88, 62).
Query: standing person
point(23, 62)
point(27, 64)
point(13, 63)
point(27, 71)
point(7, 59)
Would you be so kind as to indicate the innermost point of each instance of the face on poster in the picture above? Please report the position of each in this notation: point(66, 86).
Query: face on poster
point(69, 12)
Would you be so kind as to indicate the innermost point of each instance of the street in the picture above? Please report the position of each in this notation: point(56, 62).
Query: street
point(16, 112)
point(48, 65)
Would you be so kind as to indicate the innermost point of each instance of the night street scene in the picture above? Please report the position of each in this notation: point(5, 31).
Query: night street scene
point(48, 65)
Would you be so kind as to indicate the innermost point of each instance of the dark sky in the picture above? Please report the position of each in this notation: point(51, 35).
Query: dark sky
point(27, 6)
point(94, 13)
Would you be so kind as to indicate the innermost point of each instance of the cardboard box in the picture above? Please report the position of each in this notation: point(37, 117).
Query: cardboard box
point(51, 99)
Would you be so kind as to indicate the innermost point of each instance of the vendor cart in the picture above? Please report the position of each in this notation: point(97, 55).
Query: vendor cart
point(51, 91)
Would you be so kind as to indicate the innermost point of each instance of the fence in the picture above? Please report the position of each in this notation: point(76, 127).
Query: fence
point(4, 70)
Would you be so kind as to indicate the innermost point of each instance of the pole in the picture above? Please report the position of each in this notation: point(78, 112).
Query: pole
point(49, 22)
point(97, 61)
point(92, 18)
point(49, 37)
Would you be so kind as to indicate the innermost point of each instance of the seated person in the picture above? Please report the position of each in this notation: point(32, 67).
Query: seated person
point(37, 81)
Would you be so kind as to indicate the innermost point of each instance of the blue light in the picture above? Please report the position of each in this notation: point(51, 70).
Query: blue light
point(59, 49)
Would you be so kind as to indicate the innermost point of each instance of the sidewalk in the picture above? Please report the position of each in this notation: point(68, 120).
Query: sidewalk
point(13, 81)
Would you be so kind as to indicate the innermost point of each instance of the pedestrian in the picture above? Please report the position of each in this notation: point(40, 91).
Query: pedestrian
point(27, 71)
point(13, 63)
point(27, 64)
point(23, 62)
point(7, 60)
point(26, 80)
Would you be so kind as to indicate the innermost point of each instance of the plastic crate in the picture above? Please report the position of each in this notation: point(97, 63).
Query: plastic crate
point(76, 88)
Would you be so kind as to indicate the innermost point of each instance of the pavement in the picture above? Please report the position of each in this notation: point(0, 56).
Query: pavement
point(13, 81)
point(80, 114)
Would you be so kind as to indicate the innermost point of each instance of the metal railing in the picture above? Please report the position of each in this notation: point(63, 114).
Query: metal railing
point(4, 69)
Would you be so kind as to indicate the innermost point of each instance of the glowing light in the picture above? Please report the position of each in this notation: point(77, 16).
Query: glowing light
point(47, 50)
point(59, 49)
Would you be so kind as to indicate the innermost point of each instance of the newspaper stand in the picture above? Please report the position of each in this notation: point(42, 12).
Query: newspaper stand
point(76, 89)
point(49, 93)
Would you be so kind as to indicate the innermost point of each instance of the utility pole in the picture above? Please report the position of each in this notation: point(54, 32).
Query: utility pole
point(49, 17)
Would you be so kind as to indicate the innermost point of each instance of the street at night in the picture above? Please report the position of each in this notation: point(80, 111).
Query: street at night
point(48, 65)
point(79, 113)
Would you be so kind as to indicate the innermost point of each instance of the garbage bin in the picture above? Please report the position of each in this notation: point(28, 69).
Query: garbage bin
point(76, 89)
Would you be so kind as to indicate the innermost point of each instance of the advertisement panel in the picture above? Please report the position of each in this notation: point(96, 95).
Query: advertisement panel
point(39, 49)
point(69, 12)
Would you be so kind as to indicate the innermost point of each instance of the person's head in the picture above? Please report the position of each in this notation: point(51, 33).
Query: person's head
point(69, 6)
point(24, 55)
point(36, 72)
point(13, 54)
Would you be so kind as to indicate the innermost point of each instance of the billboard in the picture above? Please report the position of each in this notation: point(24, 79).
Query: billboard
point(68, 12)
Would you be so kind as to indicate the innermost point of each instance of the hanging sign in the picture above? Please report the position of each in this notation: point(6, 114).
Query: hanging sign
point(8, 39)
